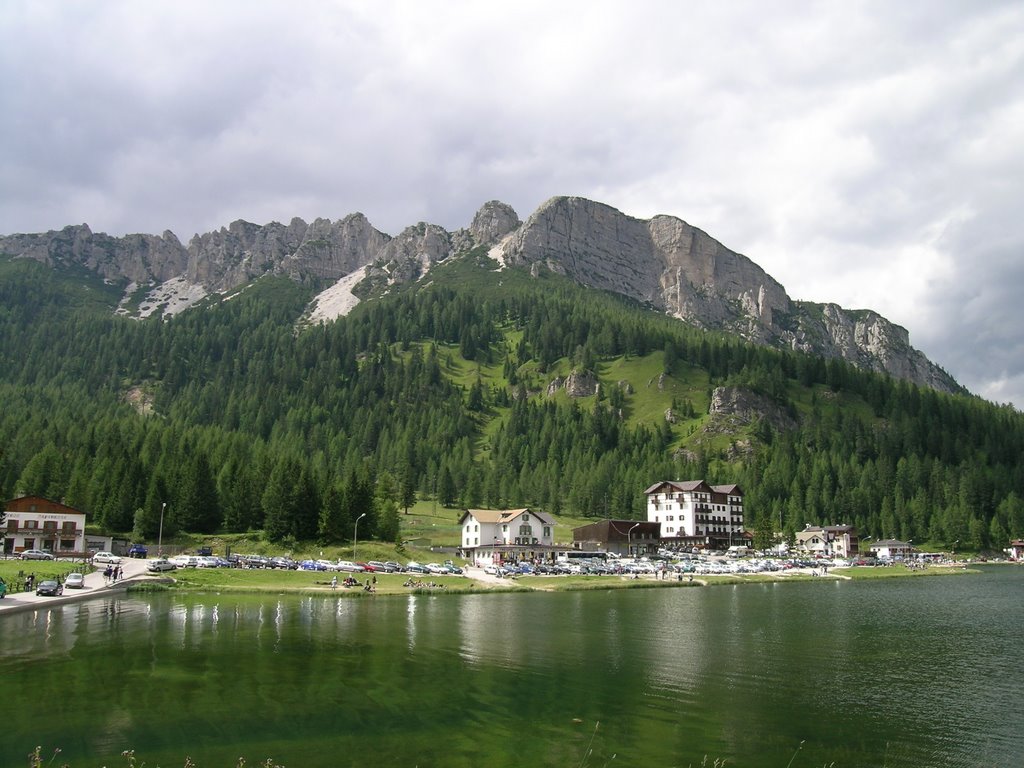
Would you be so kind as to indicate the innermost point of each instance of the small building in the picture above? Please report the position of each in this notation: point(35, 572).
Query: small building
point(632, 538)
point(499, 535)
point(693, 513)
point(829, 540)
point(34, 522)
point(892, 549)
point(1016, 550)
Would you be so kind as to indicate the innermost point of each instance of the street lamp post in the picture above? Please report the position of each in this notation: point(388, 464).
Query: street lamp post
point(355, 536)
point(160, 537)
point(629, 548)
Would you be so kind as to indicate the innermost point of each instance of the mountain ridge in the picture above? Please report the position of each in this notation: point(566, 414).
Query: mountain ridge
point(663, 262)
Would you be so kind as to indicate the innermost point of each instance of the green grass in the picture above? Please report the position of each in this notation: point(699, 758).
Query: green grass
point(14, 571)
point(862, 573)
point(319, 582)
point(584, 583)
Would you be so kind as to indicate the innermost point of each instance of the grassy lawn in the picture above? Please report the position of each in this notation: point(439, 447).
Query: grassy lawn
point(14, 571)
point(897, 571)
point(319, 582)
point(582, 583)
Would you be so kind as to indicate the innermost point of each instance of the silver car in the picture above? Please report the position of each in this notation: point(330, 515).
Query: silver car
point(36, 554)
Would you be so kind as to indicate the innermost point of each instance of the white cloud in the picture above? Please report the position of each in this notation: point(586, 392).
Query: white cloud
point(862, 152)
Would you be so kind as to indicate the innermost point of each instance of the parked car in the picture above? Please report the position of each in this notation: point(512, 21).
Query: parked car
point(414, 567)
point(348, 565)
point(185, 561)
point(139, 551)
point(36, 554)
point(74, 581)
point(160, 565)
point(50, 588)
point(392, 567)
point(105, 557)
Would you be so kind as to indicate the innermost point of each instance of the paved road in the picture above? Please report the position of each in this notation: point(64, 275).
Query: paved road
point(132, 570)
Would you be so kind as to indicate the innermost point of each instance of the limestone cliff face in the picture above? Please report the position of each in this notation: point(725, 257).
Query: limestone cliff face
point(243, 251)
point(135, 258)
point(663, 262)
point(685, 272)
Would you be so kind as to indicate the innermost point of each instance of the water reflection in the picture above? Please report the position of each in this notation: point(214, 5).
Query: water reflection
point(918, 673)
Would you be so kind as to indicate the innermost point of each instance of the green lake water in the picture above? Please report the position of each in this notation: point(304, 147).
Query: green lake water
point(896, 672)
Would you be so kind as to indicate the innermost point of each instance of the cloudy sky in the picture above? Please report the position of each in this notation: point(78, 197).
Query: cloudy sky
point(866, 153)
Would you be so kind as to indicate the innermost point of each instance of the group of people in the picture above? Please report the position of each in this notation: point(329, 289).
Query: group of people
point(417, 584)
point(111, 574)
point(352, 581)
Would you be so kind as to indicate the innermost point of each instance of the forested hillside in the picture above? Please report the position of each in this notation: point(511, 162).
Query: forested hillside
point(239, 417)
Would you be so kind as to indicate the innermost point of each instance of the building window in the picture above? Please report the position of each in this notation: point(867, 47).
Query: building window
point(525, 530)
point(547, 532)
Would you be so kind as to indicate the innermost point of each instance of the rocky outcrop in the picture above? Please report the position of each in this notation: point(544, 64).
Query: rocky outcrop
point(576, 384)
point(492, 222)
point(411, 254)
point(742, 406)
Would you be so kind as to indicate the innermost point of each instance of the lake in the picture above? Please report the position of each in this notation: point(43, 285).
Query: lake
point(895, 672)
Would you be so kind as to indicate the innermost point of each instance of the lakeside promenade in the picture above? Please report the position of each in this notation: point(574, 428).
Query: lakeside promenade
point(133, 570)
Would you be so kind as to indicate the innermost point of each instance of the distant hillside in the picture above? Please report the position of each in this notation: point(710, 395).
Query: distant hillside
point(480, 386)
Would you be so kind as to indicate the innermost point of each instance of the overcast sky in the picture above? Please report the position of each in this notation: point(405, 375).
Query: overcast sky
point(865, 153)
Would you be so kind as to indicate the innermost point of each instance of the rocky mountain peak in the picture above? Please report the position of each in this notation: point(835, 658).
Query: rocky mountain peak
point(492, 222)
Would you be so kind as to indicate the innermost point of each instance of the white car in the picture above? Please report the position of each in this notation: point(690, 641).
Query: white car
point(106, 557)
point(349, 566)
point(185, 561)
point(74, 581)
point(160, 565)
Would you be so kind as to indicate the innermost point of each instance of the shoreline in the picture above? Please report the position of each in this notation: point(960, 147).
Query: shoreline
point(474, 582)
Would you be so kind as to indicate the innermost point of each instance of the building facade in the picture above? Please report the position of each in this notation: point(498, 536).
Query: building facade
point(892, 549)
point(33, 522)
point(491, 535)
point(829, 540)
point(696, 514)
point(631, 538)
